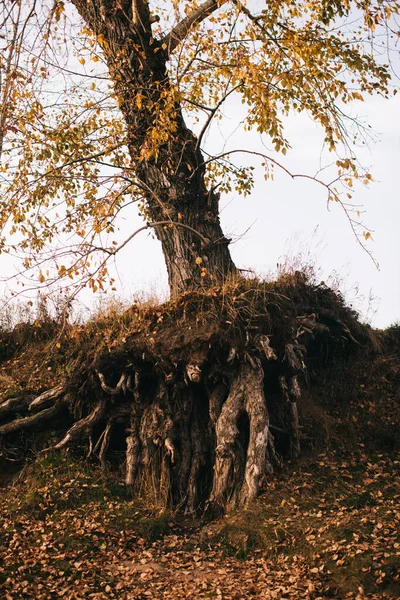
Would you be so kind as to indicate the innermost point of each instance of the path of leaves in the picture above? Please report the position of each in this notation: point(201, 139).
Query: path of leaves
point(328, 530)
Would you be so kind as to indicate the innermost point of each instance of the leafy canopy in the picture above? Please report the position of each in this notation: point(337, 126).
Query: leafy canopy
point(65, 174)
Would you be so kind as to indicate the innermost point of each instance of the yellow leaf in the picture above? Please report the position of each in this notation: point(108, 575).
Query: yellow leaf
point(139, 99)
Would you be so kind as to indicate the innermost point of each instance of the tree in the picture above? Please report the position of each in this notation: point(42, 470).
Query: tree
point(72, 162)
point(166, 64)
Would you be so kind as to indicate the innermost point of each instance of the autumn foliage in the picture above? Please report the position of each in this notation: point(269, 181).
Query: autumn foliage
point(106, 105)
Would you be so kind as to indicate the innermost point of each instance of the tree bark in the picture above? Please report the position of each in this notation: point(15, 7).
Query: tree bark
point(165, 158)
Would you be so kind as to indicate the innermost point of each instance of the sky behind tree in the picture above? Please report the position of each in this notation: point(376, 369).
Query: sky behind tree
point(289, 221)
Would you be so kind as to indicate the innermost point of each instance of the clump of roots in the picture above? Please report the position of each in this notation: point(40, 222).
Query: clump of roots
point(197, 399)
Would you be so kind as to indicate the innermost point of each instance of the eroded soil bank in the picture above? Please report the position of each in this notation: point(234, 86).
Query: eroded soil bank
point(123, 439)
point(202, 399)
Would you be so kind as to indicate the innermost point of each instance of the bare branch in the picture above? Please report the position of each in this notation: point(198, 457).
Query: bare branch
point(332, 193)
point(205, 241)
point(180, 31)
point(213, 111)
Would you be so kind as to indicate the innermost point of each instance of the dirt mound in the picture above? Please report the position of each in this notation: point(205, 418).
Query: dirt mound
point(202, 398)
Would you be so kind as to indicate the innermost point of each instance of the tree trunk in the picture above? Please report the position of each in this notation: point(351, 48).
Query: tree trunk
point(165, 158)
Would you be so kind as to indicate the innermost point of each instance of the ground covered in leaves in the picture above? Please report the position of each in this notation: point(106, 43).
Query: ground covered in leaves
point(328, 527)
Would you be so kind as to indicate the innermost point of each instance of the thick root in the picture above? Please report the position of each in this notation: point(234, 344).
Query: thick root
point(258, 463)
point(83, 426)
point(105, 442)
point(132, 454)
point(32, 403)
point(32, 422)
point(246, 397)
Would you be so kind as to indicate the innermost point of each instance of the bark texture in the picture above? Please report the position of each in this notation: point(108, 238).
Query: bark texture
point(166, 159)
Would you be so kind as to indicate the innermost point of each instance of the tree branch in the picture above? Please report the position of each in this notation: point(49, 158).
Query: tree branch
point(156, 224)
point(180, 31)
point(332, 193)
point(213, 111)
point(204, 241)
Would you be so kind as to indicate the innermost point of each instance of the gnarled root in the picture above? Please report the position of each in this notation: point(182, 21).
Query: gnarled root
point(246, 397)
point(85, 425)
point(132, 454)
point(49, 404)
point(32, 421)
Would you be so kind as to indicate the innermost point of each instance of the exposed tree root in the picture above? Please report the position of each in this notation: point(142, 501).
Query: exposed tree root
point(193, 428)
point(30, 422)
point(14, 405)
point(246, 397)
point(106, 437)
point(83, 426)
point(132, 454)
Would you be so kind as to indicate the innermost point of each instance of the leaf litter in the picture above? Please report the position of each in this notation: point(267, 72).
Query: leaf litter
point(329, 527)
